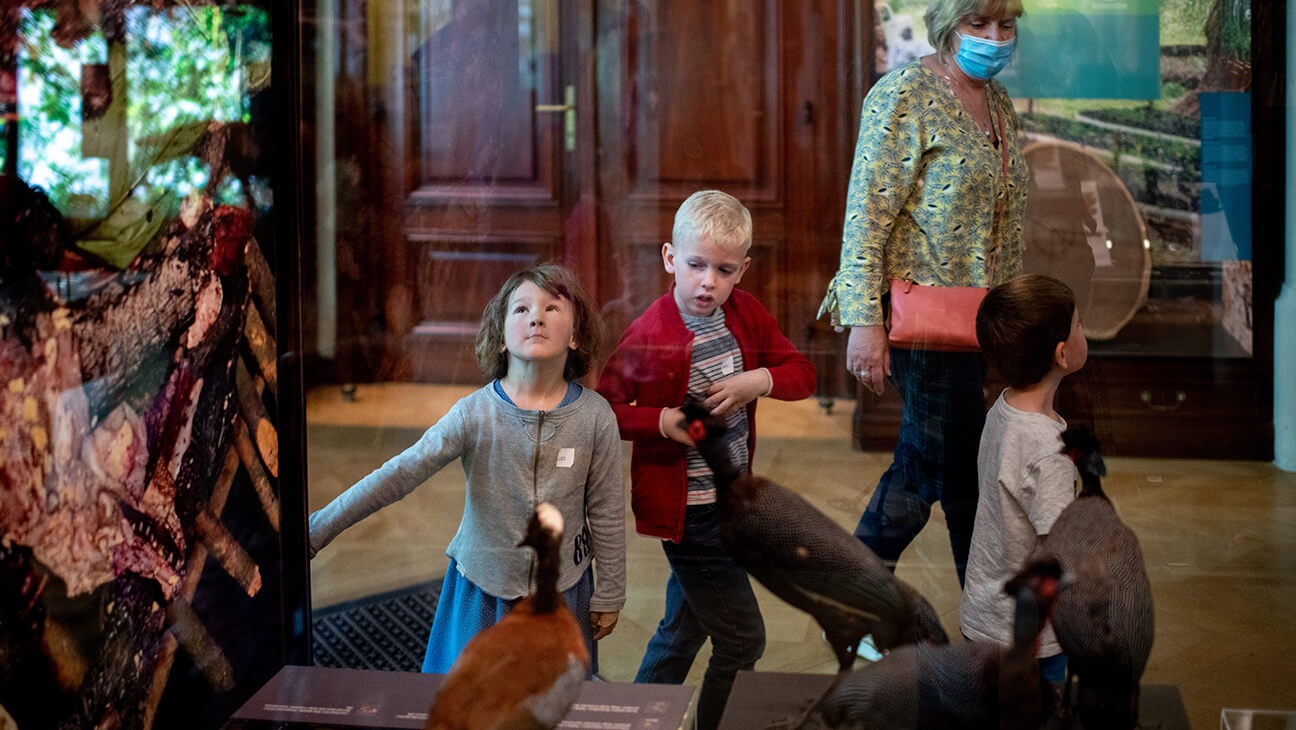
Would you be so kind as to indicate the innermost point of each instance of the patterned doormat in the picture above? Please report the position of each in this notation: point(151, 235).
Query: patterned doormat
point(387, 631)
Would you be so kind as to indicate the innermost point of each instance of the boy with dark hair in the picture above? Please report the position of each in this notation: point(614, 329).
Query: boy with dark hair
point(706, 340)
point(1030, 332)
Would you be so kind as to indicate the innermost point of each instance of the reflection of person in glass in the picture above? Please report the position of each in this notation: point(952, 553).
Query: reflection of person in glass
point(937, 195)
point(906, 47)
point(1061, 226)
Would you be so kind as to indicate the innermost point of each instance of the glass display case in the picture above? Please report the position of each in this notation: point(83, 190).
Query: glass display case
point(252, 242)
point(453, 143)
point(142, 562)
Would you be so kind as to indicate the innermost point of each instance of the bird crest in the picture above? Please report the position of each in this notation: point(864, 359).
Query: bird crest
point(1082, 447)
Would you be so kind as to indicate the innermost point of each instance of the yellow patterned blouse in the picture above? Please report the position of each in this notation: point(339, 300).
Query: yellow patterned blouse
point(924, 189)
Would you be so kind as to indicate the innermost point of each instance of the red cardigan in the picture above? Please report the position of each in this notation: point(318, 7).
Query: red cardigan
point(649, 372)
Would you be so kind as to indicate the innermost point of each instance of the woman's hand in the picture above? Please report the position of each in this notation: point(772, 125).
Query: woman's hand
point(868, 357)
point(603, 622)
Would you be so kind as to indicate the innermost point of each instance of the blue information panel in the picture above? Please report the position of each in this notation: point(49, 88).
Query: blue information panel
point(1225, 203)
point(1087, 49)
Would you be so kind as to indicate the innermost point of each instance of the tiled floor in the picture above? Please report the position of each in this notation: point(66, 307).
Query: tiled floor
point(1219, 538)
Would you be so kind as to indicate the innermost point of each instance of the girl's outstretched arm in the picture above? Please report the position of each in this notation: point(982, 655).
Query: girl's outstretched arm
point(439, 445)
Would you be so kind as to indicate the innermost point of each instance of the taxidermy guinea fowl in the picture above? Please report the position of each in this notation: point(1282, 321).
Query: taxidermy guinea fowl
point(975, 684)
point(1104, 614)
point(805, 558)
point(526, 670)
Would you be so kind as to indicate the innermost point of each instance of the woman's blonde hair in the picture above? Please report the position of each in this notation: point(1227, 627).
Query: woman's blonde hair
point(560, 282)
point(944, 16)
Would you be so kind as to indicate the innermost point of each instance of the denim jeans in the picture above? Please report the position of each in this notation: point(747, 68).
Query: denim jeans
point(1053, 669)
point(935, 457)
point(707, 595)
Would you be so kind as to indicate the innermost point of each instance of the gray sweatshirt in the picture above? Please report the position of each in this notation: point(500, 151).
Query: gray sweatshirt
point(513, 459)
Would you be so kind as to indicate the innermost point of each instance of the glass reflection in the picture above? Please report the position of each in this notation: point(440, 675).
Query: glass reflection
point(136, 363)
point(449, 178)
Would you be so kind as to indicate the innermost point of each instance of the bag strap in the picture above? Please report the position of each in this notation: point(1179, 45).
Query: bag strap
point(1003, 142)
point(1002, 133)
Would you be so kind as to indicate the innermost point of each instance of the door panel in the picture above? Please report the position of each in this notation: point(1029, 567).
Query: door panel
point(482, 71)
point(700, 119)
point(494, 183)
point(677, 114)
point(466, 132)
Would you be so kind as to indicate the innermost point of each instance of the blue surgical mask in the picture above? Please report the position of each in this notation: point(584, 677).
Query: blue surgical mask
point(981, 58)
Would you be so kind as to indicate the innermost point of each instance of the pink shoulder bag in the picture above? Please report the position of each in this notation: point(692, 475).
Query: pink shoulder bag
point(940, 317)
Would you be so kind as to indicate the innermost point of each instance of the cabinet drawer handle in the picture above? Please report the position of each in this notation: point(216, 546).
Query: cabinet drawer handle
point(1179, 399)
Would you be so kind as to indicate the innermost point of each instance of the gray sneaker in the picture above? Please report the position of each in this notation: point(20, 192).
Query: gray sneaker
point(866, 650)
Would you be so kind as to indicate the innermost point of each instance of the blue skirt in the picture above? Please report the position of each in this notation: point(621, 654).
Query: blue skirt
point(464, 610)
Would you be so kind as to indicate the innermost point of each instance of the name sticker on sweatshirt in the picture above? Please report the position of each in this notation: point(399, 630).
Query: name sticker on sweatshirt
point(566, 457)
point(727, 365)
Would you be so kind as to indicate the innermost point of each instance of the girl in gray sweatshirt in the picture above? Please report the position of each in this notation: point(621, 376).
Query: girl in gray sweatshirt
point(532, 435)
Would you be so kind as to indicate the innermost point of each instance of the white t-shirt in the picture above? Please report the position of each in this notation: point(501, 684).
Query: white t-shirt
point(1025, 482)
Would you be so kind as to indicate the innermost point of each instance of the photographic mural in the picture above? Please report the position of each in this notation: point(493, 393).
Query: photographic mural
point(138, 451)
point(1158, 93)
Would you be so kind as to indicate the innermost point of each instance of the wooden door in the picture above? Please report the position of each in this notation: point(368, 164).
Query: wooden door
point(754, 97)
point(746, 96)
point(491, 169)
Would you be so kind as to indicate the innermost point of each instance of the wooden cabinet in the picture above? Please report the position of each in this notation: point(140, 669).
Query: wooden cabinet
point(1191, 408)
point(1199, 408)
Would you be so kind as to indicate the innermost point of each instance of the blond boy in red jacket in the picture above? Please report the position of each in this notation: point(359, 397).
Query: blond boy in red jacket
point(708, 341)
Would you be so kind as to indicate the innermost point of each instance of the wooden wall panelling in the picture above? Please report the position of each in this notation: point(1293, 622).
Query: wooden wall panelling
point(482, 71)
point(456, 276)
point(358, 171)
point(826, 49)
point(690, 97)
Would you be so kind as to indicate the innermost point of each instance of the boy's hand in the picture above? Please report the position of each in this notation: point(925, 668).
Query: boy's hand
point(673, 427)
point(733, 393)
point(603, 622)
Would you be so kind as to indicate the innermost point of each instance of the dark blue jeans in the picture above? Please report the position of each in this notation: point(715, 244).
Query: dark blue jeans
point(707, 595)
point(936, 455)
point(1053, 669)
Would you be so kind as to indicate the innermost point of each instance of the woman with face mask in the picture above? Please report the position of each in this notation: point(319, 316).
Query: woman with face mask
point(937, 197)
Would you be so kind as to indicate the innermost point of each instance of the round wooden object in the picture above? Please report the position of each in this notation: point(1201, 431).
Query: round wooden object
point(1083, 227)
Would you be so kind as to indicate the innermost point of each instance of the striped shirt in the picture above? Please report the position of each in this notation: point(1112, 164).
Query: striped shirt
point(715, 357)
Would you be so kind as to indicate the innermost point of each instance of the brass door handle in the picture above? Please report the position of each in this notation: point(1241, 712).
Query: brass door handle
point(1179, 398)
point(568, 108)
